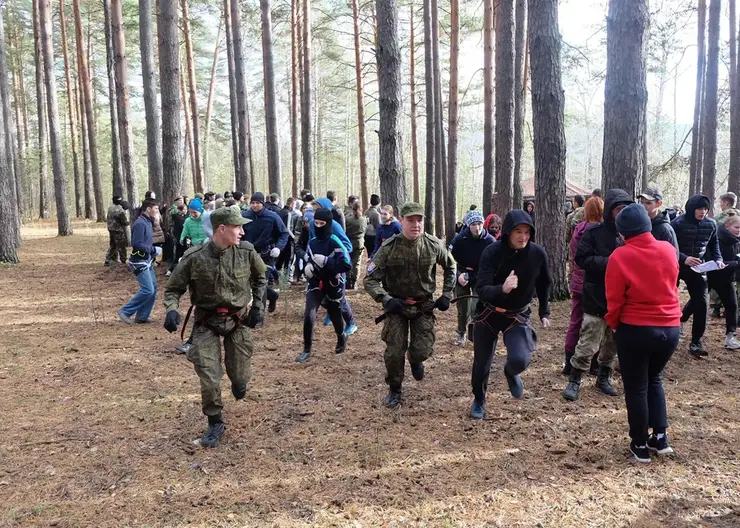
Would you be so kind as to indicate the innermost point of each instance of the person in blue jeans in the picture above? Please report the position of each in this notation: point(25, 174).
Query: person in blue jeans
point(143, 254)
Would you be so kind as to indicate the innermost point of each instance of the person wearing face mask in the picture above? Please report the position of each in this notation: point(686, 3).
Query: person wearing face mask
point(466, 248)
point(388, 227)
point(596, 245)
point(327, 261)
point(493, 225)
point(723, 281)
point(512, 271)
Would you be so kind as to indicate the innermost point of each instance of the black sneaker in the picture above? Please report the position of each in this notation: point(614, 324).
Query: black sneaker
point(213, 434)
point(341, 345)
point(272, 303)
point(393, 399)
point(697, 350)
point(659, 445)
point(238, 392)
point(515, 385)
point(478, 410)
point(641, 453)
point(417, 371)
point(303, 356)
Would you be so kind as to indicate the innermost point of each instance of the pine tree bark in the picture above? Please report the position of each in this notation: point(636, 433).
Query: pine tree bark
point(521, 51)
point(625, 95)
point(709, 170)
point(89, 114)
point(440, 165)
point(243, 177)
point(233, 105)
point(504, 99)
point(71, 108)
point(198, 180)
point(9, 121)
point(64, 223)
point(488, 122)
point(414, 110)
point(188, 128)
point(364, 193)
point(294, 92)
point(119, 186)
point(20, 145)
point(390, 162)
point(453, 119)
point(169, 88)
point(695, 163)
point(548, 120)
point(151, 108)
point(88, 186)
point(40, 117)
point(209, 105)
point(306, 115)
point(271, 128)
point(430, 205)
point(733, 180)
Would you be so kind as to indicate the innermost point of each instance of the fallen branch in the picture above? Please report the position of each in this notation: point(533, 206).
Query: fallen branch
point(56, 441)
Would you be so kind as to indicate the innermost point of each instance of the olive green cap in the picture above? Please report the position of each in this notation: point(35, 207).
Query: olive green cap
point(226, 216)
point(412, 209)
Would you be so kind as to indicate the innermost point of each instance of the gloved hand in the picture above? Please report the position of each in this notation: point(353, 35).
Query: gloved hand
point(172, 321)
point(442, 304)
point(394, 306)
point(255, 317)
point(308, 270)
point(463, 279)
point(275, 252)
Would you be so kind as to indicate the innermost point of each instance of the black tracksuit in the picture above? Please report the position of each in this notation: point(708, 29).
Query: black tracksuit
point(497, 262)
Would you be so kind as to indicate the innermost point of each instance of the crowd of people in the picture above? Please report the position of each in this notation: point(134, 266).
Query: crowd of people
point(626, 260)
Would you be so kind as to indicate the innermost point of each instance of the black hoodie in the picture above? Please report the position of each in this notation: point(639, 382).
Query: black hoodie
point(592, 254)
point(662, 229)
point(696, 238)
point(529, 264)
point(729, 246)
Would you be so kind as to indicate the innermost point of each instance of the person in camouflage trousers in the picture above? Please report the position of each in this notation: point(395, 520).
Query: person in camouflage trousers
point(117, 224)
point(223, 275)
point(402, 276)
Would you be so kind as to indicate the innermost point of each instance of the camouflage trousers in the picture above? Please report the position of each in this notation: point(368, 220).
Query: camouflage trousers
point(419, 345)
point(596, 336)
point(465, 307)
point(205, 355)
point(116, 247)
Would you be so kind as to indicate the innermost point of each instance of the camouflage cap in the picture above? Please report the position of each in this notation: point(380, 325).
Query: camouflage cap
point(411, 209)
point(226, 216)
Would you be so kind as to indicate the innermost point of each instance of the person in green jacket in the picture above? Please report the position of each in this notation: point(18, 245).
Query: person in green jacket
point(193, 228)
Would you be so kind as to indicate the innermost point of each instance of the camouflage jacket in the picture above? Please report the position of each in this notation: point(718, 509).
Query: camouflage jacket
point(572, 220)
point(227, 278)
point(408, 269)
point(117, 219)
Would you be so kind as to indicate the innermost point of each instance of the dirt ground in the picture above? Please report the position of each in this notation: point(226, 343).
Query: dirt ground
point(99, 420)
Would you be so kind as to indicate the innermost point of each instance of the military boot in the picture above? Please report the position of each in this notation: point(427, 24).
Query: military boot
point(604, 381)
point(272, 302)
point(238, 392)
point(214, 433)
point(393, 400)
point(574, 385)
point(341, 344)
point(304, 356)
point(417, 371)
point(566, 366)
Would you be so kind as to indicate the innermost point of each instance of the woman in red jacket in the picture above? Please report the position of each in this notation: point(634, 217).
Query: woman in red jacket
point(644, 311)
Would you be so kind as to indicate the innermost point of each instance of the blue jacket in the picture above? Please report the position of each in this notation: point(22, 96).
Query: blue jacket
point(467, 250)
point(141, 239)
point(337, 257)
point(335, 227)
point(696, 238)
point(265, 231)
point(384, 232)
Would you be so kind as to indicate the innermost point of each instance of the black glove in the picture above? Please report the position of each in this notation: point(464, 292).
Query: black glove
point(172, 321)
point(255, 317)
point(442, 304)
point(394, 306)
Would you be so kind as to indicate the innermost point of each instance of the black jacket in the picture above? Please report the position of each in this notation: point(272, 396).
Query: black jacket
point(529, 265)
point(662, 229)
point(592, 254)
point(467, 251)
point(696, 238)
point(729, 246)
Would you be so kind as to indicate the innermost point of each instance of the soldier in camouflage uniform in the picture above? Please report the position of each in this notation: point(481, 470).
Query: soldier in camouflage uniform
point(117, 224)
point(403, 276)
point(223, 275)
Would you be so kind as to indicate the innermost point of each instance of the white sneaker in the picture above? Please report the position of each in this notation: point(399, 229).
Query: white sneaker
point(168, 273)
point(731, 343)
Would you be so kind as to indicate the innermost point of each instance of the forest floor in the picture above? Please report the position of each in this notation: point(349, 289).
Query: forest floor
point(99, 421)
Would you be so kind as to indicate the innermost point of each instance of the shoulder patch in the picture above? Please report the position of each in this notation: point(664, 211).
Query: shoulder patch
point(371, 267)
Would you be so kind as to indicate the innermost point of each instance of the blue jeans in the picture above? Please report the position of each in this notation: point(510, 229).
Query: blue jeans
point(142, 303)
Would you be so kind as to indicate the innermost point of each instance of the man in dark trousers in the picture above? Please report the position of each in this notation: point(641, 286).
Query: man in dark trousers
point(697, 243)
point(512, 270)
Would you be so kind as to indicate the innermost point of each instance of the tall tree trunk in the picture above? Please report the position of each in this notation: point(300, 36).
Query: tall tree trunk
point(233, 106)
point(64, 223)
point(271, 127)
point(488, 123)
point(733, 181)
point(87, 102)
point(709, 171)
point(151, 108)
point(243, 177)
point(124, 122)
point(453, 120)
point(198, 180)
point(119, 186)
point(430, 205)
point(505, 96)
point(88, 186)
point(294, 93)
point(306, 116)
point(625, 94)
point(440, 166)
point(41, 117)
point(20, 145)
point(392, 182)
point(8, 121)
point(188, 131)
point(521, 49)
point(250, 149)
point(695, 164)
point(364, 193)
point(71, 108)
point(169, 89)
point(412, 90)
point(22, 88)
point(209, 105)
point(548, 119)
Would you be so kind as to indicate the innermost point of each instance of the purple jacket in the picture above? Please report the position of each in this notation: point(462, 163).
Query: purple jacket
point(576, 280)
